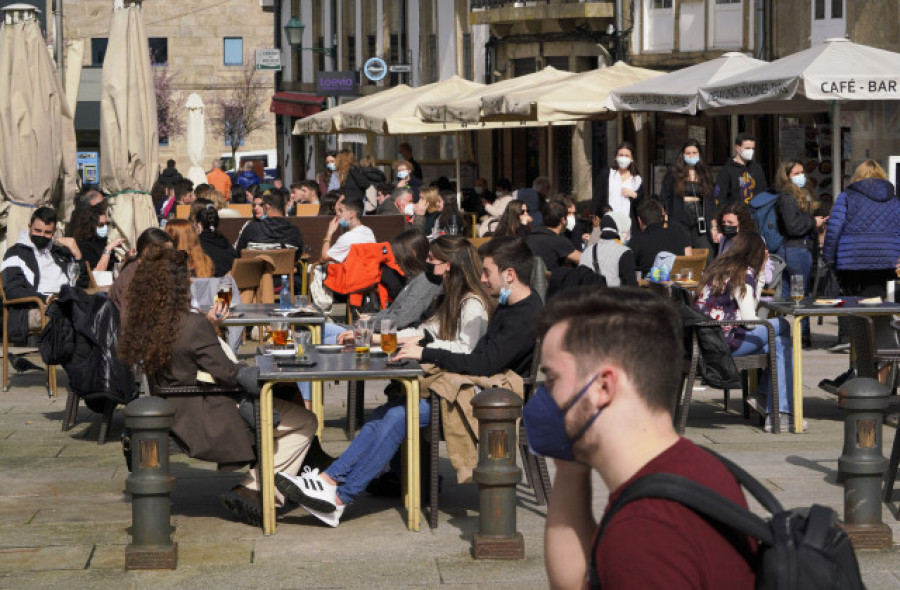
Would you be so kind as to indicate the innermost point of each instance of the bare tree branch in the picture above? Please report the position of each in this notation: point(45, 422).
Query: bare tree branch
point(241, 109)
point(169, 112)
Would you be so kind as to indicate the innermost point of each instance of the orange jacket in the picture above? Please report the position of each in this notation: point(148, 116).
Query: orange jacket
point(361, 270)
point(220, 181)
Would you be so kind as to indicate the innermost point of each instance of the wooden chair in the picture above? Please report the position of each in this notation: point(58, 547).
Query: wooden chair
point(182, 211)
point(695, 263)
point(253, 277)
point(307, 210)
point(700, 252)
point(477, 242)
point(245, 209)
point(284, 259)
point(24, 301)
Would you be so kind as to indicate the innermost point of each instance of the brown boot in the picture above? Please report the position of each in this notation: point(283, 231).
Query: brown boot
point(244, 504)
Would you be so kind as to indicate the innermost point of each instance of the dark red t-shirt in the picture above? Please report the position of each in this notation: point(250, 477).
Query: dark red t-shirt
point(655, 543)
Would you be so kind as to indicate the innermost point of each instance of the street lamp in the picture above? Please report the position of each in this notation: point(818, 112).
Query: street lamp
point(294, 31)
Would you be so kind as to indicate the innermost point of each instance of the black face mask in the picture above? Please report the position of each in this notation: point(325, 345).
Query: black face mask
point(40, 242)
point(429, 274)
point(729, 231)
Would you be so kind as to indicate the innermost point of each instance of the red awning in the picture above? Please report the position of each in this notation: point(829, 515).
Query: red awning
point(296, 104)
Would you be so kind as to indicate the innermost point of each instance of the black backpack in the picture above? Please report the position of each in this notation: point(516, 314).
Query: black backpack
point(798, 549)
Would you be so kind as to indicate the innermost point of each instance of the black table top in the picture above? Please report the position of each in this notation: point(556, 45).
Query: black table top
point(335, 365)
point(850, 305)
point(256, 314)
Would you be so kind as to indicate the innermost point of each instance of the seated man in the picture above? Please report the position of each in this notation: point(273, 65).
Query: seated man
point(305, 192)
point(609, 358)
point(399, 203)
point(36, 266)
point(548, 242)
point(271, 227)
point(507, 344)
point(655, 237)
point(347, 216)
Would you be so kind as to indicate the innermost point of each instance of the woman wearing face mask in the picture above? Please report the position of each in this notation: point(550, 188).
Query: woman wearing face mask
point(732, 218)
point(328, 180)
point(798, 225)
point(406, 179)
point(460, 321)
point(687, 193)
point(623, 190)
point(91, 237)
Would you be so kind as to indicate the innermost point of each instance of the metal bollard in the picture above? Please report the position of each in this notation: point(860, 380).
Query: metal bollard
point(497, 475)
point(861, 465)
point(150, 486)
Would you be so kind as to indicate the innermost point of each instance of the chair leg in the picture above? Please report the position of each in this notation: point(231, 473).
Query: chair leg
point(71, 411)
point(681, 411)
point(355, 408)
point(727, 399)
point(109, 409)
point(890, 475)
point(435, 458)
point(536, 473)
point(5, 350)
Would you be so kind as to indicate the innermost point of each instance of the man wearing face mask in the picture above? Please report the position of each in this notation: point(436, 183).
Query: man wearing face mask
point(36, 266)
point(271, 227)
point(549, 243)
point(348, 215)
point(606, 406)
point(742, 177)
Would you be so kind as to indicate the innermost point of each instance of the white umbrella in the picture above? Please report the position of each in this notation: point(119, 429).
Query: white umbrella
point(678, 91)
point(815, 79)
point(129, 140)
point(196, 138)
point(329, 120)
point(37, 134)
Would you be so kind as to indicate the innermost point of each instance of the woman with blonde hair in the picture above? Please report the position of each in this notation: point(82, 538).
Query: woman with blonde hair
point(428, 210)
point(185, 238)
point(797, 224)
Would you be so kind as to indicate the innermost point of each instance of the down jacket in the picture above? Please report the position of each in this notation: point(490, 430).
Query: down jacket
point(863, 232)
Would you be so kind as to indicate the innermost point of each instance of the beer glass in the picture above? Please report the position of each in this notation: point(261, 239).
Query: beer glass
point(797, 287)
point(224, 292)
point(279, 334)
point(362, 334)
point(389, 339)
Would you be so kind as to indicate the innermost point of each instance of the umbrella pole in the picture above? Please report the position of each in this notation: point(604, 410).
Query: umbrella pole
point(458, 179)
point(550, 153)
point(836, 148)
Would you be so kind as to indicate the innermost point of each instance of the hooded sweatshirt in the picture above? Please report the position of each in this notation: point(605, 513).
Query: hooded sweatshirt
point(271, 230)
point(863, 231)
point(739, 182)
point(219, 250)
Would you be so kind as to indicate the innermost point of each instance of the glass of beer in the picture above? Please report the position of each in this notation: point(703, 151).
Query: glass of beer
point(389, 339)
point(279, 334)
point(362, 335)
point(224, 292)
point(302, 342)
point(797, 288)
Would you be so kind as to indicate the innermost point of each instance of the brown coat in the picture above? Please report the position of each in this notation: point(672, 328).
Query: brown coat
point(209, 426)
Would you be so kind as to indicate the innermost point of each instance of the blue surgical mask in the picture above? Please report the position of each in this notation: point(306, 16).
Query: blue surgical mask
point(692, 160)
point(103, 231)
point(799, 180)
point(505, 292)
point(331, 167)
point(545, 424)
point(343, 223)
point(401, 174)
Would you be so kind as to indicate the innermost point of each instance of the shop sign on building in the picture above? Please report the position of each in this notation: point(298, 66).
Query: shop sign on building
point(336, 84)
point(268, 59)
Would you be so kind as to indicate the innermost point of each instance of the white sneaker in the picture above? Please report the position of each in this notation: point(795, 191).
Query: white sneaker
point(332, 519)
point(308, 489)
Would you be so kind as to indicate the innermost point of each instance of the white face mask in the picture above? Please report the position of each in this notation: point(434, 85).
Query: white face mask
point(623, 162)
point(570, 222)
point(747, 155)
point(409, 210)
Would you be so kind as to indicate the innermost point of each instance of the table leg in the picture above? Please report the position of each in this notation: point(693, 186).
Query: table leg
point(267, 459)
point(315, 334)
point(414, 480)
point(317, 387)
point(797, 336)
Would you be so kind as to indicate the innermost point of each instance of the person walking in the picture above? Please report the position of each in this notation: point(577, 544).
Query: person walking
point(623, 189)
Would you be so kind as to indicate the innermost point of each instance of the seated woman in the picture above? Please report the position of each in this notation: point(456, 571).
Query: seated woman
point(213, 243)
point(731, 289)
point(90, 231)
point(185, 239)
point(173, 343)
point(461, 319)
point(515, 221)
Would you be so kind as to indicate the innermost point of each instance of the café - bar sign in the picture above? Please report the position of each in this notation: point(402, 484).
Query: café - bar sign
point(336, 84)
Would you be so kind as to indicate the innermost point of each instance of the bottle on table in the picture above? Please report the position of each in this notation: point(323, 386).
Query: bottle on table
point(285, 298)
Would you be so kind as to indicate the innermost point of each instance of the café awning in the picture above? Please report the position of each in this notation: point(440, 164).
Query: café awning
point(296, 104)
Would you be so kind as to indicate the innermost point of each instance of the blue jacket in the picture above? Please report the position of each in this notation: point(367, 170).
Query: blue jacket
point(247, 178)
point(863, 232)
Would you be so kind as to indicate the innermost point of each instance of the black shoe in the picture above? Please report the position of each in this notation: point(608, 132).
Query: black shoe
point(244, 504)
point(834, 385)
point(316, 457)
point(386, 485)
point(807, 342)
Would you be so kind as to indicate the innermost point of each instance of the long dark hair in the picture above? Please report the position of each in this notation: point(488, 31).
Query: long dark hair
point(463, 278)
point(509, 224)
point(625, 145)
point(208, 218)
point(680, 171)
point(742, 212)
point(748, 250)
point(410, 251)
point(783, 183)
point(328, 202)
point(450, 211)
point(157, 297)
point(87, 221)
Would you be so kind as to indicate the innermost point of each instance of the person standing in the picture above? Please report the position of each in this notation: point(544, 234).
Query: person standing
point(796, 223)
point(218, 179)
point(607, 407)
point(405, 153)
point(742, 177)
point(687, 194)
point(623, 189)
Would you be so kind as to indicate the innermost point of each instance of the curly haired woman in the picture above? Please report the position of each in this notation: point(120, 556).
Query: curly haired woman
point(173, 343)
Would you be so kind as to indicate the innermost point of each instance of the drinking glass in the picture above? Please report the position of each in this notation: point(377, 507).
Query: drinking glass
point(389, 339)
point(224, 292)
point(301, 301)
point(117, 269)
point(72, 271)
point(279, 334)
point(797, 288)
point(362, 335)
point(302, 341)
point(687, 274)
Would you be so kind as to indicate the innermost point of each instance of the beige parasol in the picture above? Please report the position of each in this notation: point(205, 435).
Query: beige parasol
point(129, 143)
point(37, 134)
point(196, 137)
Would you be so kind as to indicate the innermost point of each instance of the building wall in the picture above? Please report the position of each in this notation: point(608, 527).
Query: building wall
point(195, 30)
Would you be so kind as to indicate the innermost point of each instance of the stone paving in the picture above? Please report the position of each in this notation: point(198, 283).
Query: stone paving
point(64, 515)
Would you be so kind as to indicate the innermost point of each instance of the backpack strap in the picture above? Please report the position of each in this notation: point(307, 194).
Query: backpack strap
point(750, 483)
point(596, 262)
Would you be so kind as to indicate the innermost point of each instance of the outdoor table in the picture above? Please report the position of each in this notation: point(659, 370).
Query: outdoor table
point(345, 366)
point(806, 308)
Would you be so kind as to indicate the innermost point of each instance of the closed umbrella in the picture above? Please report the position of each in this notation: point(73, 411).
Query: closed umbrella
point(196, 138)
point(679, 91)
point(37, 134)
point(129, 142)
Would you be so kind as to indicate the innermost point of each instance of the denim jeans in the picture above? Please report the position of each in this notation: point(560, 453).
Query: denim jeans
point(329, 336)
point(756, 341)
point(799, 262)
point(373, 447)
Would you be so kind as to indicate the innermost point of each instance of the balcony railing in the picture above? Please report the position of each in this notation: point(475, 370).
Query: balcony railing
point(488, 4)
